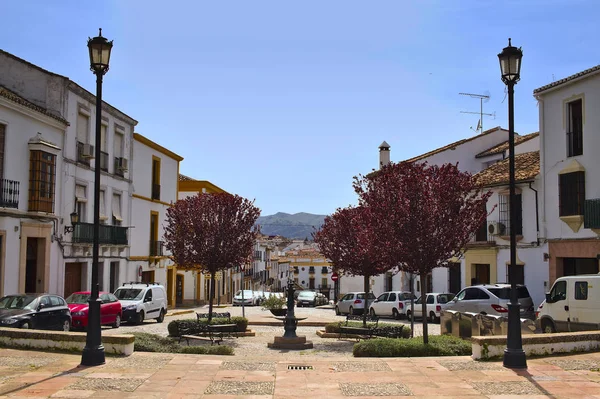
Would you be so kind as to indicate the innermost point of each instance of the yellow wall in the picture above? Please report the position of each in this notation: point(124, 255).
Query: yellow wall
point(481, 256)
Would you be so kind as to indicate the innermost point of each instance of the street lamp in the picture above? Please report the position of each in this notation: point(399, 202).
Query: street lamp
point(93, 353)
point(74, 221)
point(510, 66)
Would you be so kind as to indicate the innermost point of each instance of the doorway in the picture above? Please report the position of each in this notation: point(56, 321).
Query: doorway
point(114, 276)
point(454, 278)
point(482, 274)
point(148, 277)
point(179, 290)
point(31, 266)
point(72, 278)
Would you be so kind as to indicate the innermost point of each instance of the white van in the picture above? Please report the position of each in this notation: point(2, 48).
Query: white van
point(571, 305)
point(142, 301)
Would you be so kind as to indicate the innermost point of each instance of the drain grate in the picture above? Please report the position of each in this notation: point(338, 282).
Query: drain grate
point(299, 367)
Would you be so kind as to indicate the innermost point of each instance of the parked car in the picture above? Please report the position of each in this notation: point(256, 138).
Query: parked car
point(353, 303)
point(110, 309)
point(310, 298)
point(37, 311)
point(436, 302)
point(141, 301)
point(571, 305)
point(392, 304)
point(492, 299)
point(251, 298)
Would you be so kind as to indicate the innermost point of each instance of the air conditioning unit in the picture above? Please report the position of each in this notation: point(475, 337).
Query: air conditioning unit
point(496, 228)
point(87, 151)
point(122, 164)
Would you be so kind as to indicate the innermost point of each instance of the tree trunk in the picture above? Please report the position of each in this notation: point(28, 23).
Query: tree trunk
point(423, 278)
point(366, 309)
point(211, 297)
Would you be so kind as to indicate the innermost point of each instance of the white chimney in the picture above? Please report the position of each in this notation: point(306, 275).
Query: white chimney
point(384, 154)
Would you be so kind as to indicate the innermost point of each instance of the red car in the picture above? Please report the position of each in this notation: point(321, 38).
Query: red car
point(110, 309)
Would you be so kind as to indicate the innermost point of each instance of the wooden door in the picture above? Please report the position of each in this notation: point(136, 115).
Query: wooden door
point(72, 278)
point(179, 290)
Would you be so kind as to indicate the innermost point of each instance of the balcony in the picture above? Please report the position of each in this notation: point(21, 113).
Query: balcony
point(591, 214)
point(109, 235)
point(9, 193)
point(104, 161)
point(311, 270)
point(324, 270)
point(156, 248)
point(155, 191)
point(248, 272)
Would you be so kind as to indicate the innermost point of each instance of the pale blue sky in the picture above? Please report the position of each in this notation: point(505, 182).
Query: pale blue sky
point(284, 102)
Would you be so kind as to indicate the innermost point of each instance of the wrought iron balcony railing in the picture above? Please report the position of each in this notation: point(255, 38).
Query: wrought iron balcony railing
point(9, 193)
point(109, 235)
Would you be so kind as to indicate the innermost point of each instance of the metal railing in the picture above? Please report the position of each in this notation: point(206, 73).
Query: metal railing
point(109, 235)
point(324, 270)
point(9, 193)
point(156, 248)
point(311, 269)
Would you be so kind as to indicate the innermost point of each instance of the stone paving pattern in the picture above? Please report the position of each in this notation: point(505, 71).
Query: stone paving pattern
point(151, 375)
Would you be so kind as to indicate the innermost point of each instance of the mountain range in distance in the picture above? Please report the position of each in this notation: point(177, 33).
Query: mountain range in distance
point(299, 225)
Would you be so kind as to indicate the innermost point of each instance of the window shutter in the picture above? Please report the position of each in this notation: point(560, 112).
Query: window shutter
point(82, 128)
point(118, 145)
point(102, 209)
point(80, 193)
point(116, 207)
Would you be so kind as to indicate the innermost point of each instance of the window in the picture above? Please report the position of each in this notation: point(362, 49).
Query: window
point(324, 282)
point(42, 174)
point(118, 145)
point(430, 299)
point(520, 274)
point(80, 202)
point(559, 291)
point(83, 127)
point(571, 188)
point(156, 178)
point(575, 128)
point(392, 297)
point(382, 297)
point(116, 209)
point(153, 227)
point(103, 131)
point(103, 217)
point(2, 140)
point(505, 214)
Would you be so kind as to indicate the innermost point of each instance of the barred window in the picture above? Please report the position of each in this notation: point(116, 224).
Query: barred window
point(571, 193)
point(504, 202)
point(575, 128)
point(42, 176)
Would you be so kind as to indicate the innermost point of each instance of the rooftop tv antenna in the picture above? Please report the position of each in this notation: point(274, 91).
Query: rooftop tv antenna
point(482, 98)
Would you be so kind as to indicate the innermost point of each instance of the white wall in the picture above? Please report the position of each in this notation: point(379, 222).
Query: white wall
point(536, 270)
point(553, 128)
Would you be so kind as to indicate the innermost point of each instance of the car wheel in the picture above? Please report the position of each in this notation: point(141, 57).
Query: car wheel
point(140, 318)
point(66, 326)
point(117, 322)
point(337, 311)
point(432, 317)
point(372, 312)
point(351, 311)
point(395, 314)
point(548, 327)
point(408, 315)
point(26, 325)
point(161, 318)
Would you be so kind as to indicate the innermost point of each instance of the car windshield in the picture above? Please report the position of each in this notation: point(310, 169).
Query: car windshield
point(504, 293)
point(445, 298)
point(18, 302)
point(129, 294)
point(247, 294)
point(362, 296)
point(79, 299)
point(305, 294)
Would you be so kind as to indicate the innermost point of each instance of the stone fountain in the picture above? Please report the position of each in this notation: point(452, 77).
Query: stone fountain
point(290, 340)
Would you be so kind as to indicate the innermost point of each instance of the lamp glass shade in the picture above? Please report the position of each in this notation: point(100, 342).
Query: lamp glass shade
point(99, 49)
point(510, 63)
point(74, 218)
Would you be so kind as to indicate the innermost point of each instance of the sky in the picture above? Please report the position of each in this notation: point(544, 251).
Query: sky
point(285, 102)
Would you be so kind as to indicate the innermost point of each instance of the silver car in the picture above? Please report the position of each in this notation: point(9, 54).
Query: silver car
point(492, 299)
point(353, 303)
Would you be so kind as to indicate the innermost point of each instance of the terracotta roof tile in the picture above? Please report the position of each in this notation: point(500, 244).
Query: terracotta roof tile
point(185, 178)
point(449, 146)
point(12, 96)
point(567, 79)
point(500, 148)
point(527, 167)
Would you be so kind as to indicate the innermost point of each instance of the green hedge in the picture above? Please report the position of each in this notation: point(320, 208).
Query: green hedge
point(439, 345)
point(192, 324)
point(334, 328)
point(145, 342)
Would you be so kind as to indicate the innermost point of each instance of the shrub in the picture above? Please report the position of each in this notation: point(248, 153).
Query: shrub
point(334, 328)
point(145, 342)
point(439, 345)
point(193, 327)
point(274, 302)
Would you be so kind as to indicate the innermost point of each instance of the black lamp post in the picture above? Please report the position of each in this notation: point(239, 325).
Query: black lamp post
point(93, 353)
point(510, 66)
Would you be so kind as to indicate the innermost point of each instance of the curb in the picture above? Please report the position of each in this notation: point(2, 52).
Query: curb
point(179, 312)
